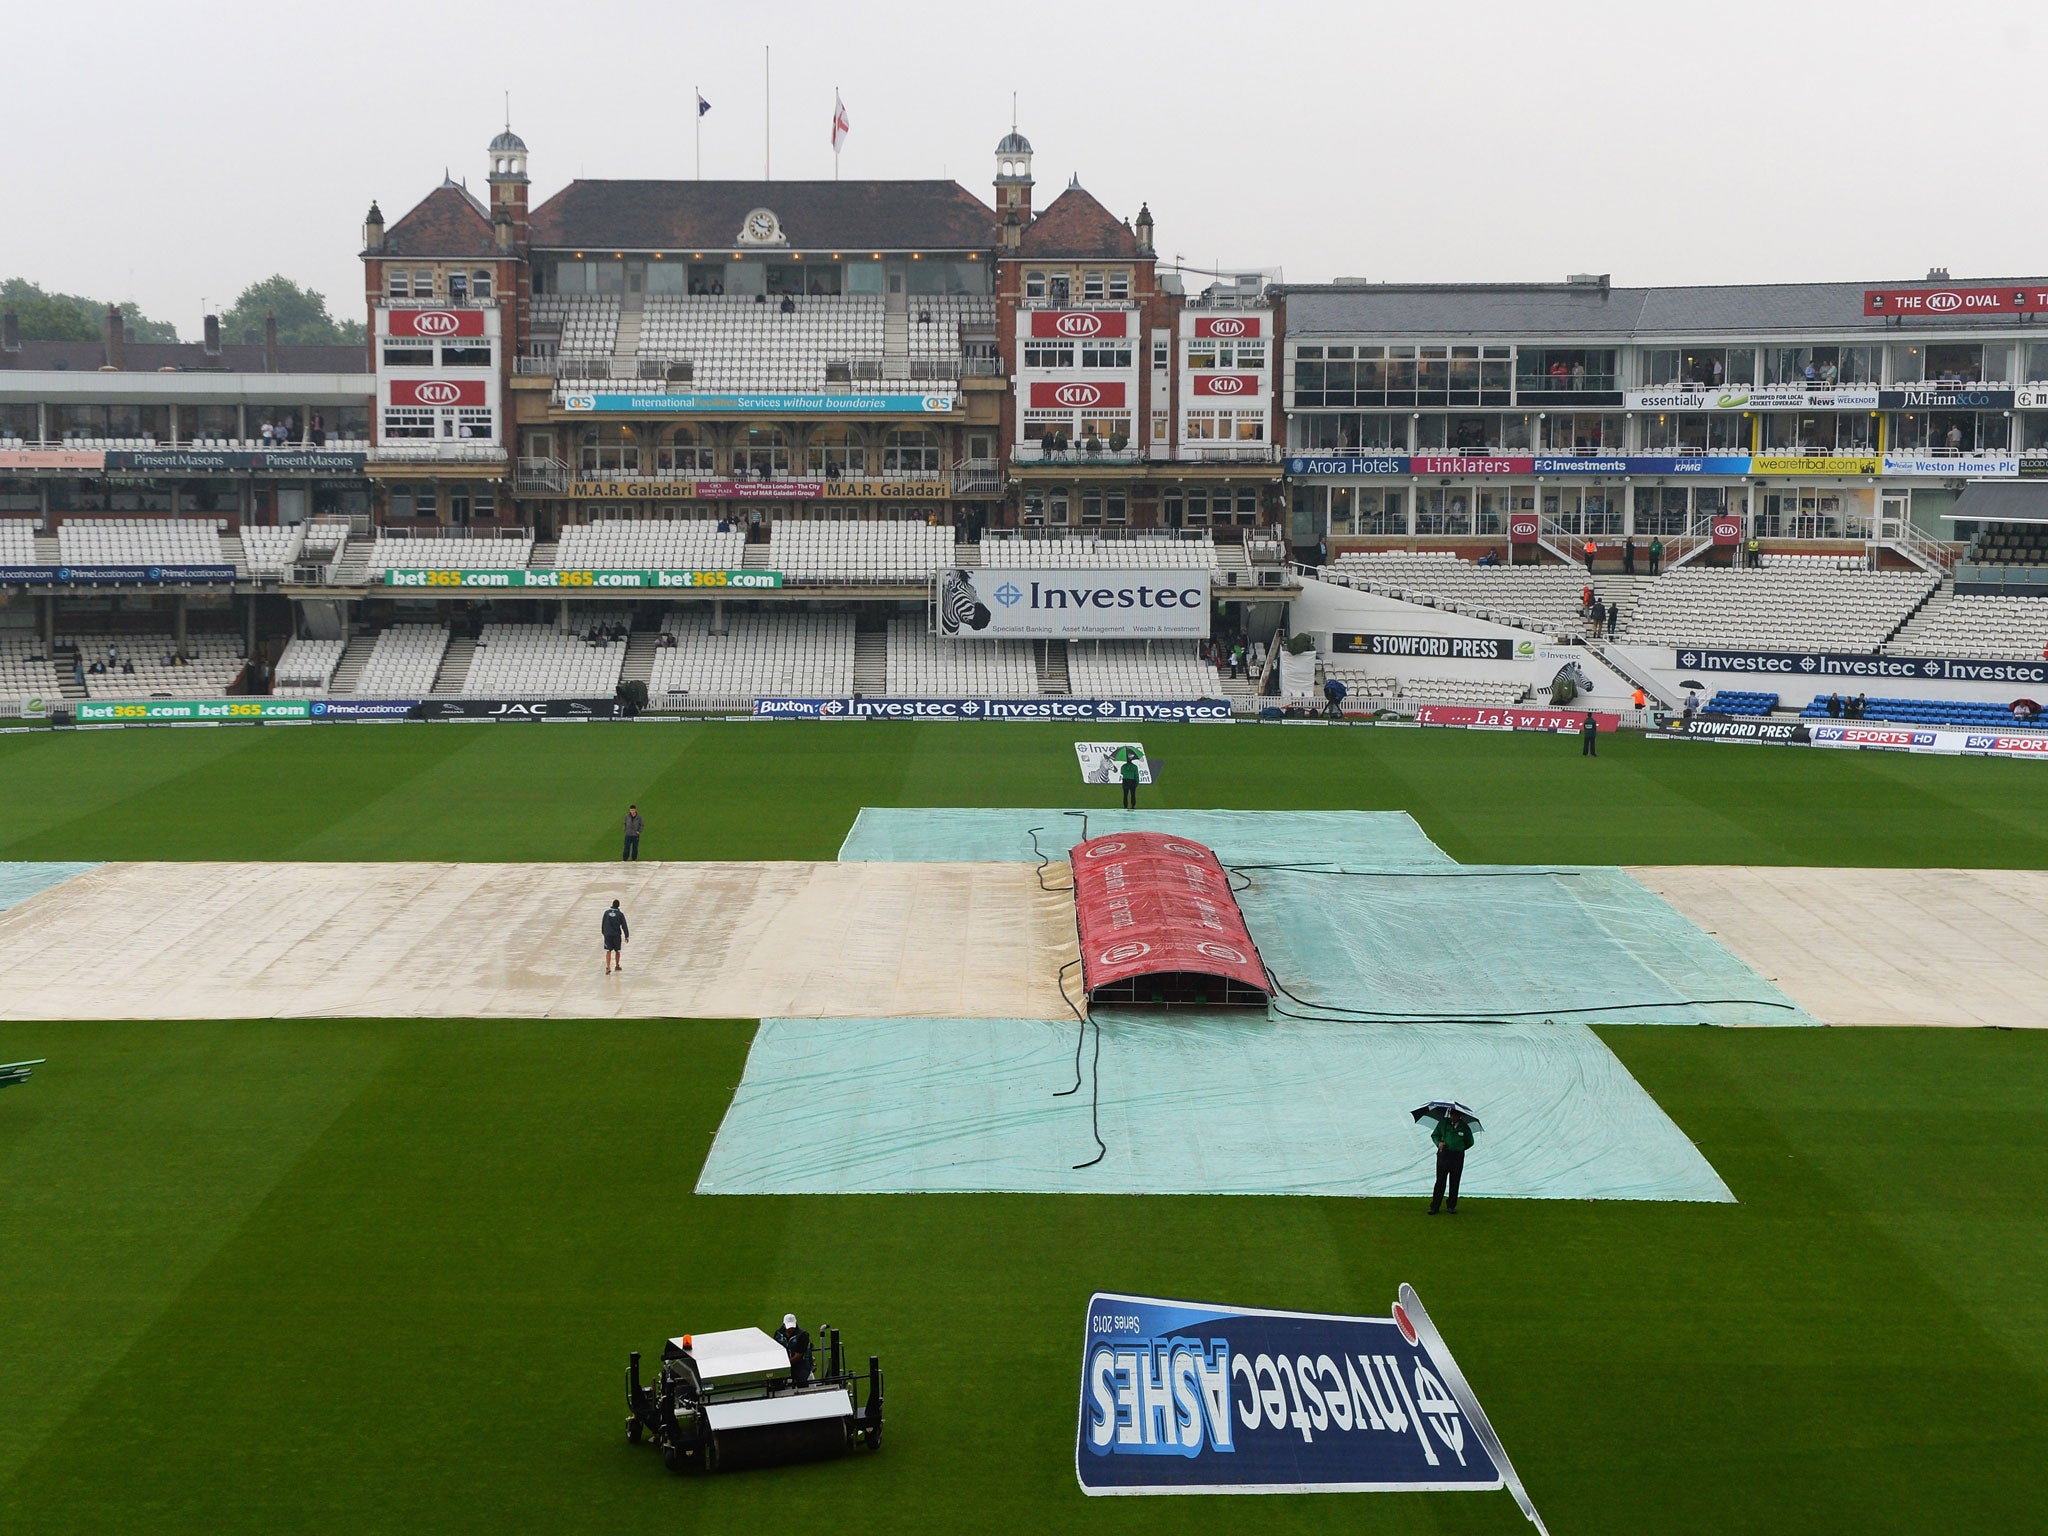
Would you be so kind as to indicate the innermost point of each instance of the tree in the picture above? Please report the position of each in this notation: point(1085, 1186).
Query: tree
point(302, 318)
point(49, 316)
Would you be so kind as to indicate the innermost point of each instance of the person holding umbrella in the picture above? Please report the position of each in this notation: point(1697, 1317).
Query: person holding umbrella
point(1454, 1128)
point(1128, 774)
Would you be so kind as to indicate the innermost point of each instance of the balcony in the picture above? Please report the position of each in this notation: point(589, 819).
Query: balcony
point(541, 477)
point(434, 450)
point(1226, 453)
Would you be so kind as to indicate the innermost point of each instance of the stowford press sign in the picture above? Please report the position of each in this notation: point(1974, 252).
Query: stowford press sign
point(1450, 647)
point(1195, 1397)
point(591, 580)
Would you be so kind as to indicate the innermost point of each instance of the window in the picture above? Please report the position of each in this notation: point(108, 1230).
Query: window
point(608, 451)
point(408, 421)
point(911, 451)
point(480, 283)
point(1120, 285)
point(422, 283)
point(398, 283)
point(1048, 354)
point(763, 453)
point(1034, 285)
point(1106, 354)
point(458, 286)
point(1110, 506)
point(1046, 508)
point(402, 355)
point(682, 453)
point(412, 500)
point(475, 423)
point(834, 452)
point(1202, 353)
point(1162, 356)
point(1201, 427)
point(1104, 429)
point(1092, 285)
point(465, 357)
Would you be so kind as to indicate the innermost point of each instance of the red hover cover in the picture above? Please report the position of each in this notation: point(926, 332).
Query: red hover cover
point(1149, 903)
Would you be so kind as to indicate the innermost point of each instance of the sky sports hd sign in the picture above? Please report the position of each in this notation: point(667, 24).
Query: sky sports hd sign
point(995, 603)
point(1191, 1397)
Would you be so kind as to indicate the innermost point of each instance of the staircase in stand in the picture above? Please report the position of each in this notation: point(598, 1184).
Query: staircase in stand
point(1052, 668)
point(871, 657)
point(349, 670)
point(966, 556)
point(1905, 640)
point(231, 551)
point(543, 557)
point(755, 558)
point(638, 667)
point(353, 569)
point(626, 349)
point(454, 667)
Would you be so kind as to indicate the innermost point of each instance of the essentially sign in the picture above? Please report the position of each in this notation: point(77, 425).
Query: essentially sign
point(1770, 397)
point(1102, 764)
point(364, 709)
point(1449, 647)
point(1079, 324)
point(1166, 711)
point(1223, 326)
point(590, 579)
point(93, 711)
point(517, 709)
point(1198, 1397)
point(1796, 464)
point(1075, 396)
point(1020, 604)
point(207, 461)
point(1982, 467)
point(1741, 730)
point(438, 392)
point(784, 405)
point(115, 575)
point(1474, 717)
point(435, 322)
point(1828, 664)
point(1944, 303)
point(1946, 397)
point(1226, 384)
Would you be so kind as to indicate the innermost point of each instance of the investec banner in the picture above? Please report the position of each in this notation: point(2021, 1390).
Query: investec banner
point(1212, 711)
point(1022, 604)
point(780, 405)
point(95, 711)
point(582, 580)
point(1818, 664)
point(1196, 1397)
point(1449, 647)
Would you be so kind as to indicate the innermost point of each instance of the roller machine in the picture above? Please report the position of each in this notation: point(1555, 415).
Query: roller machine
point(724, 1401)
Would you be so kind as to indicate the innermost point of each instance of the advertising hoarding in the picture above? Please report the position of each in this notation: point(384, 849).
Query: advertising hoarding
point(1030, 604)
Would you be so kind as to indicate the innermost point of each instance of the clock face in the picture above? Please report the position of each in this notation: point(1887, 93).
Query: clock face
point(761, 225)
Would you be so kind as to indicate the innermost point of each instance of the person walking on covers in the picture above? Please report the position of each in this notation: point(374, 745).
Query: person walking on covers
point(615, 935)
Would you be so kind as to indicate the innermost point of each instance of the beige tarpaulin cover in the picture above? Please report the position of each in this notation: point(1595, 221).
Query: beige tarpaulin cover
point(226, 941)
point(1881, 946)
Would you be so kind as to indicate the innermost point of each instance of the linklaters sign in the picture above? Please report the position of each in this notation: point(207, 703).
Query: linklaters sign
point(1820, 664)
point(581, 580)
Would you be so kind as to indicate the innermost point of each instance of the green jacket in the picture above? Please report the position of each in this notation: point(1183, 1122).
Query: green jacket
point(1452, 1133)
point(1130, 771)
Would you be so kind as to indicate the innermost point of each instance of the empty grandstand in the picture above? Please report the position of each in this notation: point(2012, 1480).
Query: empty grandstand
point(1818, 609)
point(17, 541)
point(539, 661)
point(1955, 714)
point(269, 550)
point(808, 654)
point(921, 665)
point(1139, 669)
point(1462, 690)
point(1543, 597)
point(1995, 628)
point(139, 541)
point(1741, 701)
point(844, 552)
point(679, 543)
point(1086, 553)
point(26, 667)
point(403, 662)
point(150, 665)
point(306, 667)
point(400, 552)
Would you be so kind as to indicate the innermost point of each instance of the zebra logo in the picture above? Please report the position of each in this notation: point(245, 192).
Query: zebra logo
point(958, 607)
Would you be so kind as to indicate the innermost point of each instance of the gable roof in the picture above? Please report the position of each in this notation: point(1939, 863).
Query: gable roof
point(448, 221)
point(1075, 224)
point(815, 215)
point(187, 357)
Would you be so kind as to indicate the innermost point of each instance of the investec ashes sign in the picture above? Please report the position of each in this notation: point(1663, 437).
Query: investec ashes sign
point(1192, 1397)
point(581, 580)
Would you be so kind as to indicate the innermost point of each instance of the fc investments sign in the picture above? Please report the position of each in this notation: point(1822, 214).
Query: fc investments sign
point(1192, 1397)
point(1002, 604)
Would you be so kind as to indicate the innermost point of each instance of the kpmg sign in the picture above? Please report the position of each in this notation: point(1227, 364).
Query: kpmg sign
point(1191, 1397)
point(1818, 665)
point(997, 603)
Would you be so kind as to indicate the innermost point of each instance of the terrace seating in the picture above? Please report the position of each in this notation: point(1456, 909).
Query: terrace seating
point(307, 667)
point(780, 652)
point(1802, 562)
point(1088, 553)
point(735, 342)
point(1137, 669)
point(2010, 544)
point(673, 543)
point(139, 541)
point(858, 553)
point(17, 541)
point(922, 665)
point(538, 661)
point(1994, 628)
point(213, 662)
point(589, 322)
point(436, 553)
point(1954, 714)
point(1784, 609)
point(1739, 701)
point(1462, 690)
point(1542, 597)
point(270, 551)
point(27, 667)
point(403, 661)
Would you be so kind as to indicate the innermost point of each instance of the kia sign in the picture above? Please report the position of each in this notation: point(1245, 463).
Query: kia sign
point(2018, 298)
point(436, 322)
point(1523, 528)
point(1226, 384)
point(1227, 327)
point(1022, 604)
point(1078, 324)
point(437, 392)
point(1726, 530)
point(1185, 1397)
point(1047, 396)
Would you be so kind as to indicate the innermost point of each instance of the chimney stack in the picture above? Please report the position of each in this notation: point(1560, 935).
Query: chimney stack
point(212, 342)
point(270, 344)
point(117, 338)
point(10, 331)
point(373, 228)
point(1145, 229)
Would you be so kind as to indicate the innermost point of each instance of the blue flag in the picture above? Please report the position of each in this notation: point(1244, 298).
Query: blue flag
point(703, 106)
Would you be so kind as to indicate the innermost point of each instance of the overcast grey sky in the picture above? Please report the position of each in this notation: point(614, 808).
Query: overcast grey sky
point(172, 154)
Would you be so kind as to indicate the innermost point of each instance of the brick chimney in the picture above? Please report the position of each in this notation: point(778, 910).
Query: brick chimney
point(212, 341)
point(270, 344)
point(117, 338)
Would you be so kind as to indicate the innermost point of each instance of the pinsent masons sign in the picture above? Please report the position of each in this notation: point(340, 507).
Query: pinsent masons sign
point(1820, 665)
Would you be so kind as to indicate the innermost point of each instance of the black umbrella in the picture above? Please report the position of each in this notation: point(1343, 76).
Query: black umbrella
point(1447, 1109)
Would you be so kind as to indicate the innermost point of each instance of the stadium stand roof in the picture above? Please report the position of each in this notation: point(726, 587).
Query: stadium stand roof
point(184, 357)
point(1592, 307)
point(2008, 502)
point(449, 221)
point(1074, 224)
point(815, 215)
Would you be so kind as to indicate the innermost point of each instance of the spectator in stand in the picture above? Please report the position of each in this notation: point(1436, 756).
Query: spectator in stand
point(1613, 618)
point(1578, 375)
point(1656, 554)
point(1954, 438)
point(319, 431)
point(268, 435)
point(1692, 702)
point(1591, 550)
point(1628, 556)
point(1585, 601)
point(1857, 705)
point(1834, 706)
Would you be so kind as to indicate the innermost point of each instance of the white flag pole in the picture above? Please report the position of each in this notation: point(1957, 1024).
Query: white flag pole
point(767, 91)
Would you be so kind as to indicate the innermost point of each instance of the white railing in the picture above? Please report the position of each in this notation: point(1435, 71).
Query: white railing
point(438, 451)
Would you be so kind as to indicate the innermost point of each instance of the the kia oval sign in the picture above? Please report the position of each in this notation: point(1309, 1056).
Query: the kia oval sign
point(1954, 301)
point(1077, 324)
